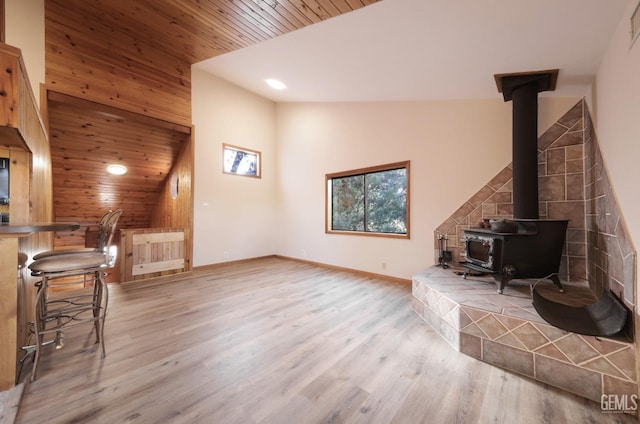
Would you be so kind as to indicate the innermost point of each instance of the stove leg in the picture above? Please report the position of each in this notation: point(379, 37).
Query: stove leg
point(501, 281)
point(556, 280)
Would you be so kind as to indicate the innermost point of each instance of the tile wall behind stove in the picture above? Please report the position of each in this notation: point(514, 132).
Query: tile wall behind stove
point(573, 184)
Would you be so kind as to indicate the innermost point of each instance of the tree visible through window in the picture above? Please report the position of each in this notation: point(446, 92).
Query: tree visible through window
point(370, 201)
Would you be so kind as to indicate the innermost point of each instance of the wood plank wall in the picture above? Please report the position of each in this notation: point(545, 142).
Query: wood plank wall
point(91, 59)
point(30, 176)
point(88, 59)
point(178, 212)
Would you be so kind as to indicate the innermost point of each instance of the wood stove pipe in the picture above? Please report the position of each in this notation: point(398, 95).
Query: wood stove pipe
point(523, 89)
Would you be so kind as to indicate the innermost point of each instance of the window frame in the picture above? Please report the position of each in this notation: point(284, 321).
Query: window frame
point(256, 153)
point(363, 171)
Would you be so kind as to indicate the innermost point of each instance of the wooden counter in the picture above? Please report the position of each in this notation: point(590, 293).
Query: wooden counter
point(9, 250)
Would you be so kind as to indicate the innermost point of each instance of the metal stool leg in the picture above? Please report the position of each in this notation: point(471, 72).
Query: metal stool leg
point(39, 324)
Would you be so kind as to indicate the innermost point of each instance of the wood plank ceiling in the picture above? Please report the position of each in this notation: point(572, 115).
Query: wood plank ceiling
point(195, 30)
point(127, 54)
point(85, 139)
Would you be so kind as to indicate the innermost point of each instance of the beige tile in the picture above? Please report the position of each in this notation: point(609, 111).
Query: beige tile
point(463, 319)
point(508, 357)
point(551, 135)
point(568, 139)
point(580, 381)
point(417, 306)
point(474, 330)
point(492, 327)
point(510, 322)
point(473, 313)
point(552, 351)
point(575, 187)
point(575, 152)
point(625, 360)
point(575, 166)
point(510, 340)
point(601, 364)
point(555, 161)
point(576, 349)
point(552, 188)
point(418, 289)
point(574, 211)
point(471, 345)
point(573, 116)
point(530, 337)
point(612, 385)
point(481, 196)
point(552, 333)
point(463, 212)
point(503, 177)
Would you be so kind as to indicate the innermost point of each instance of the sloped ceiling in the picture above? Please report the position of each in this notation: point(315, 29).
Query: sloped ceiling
point(429, 49)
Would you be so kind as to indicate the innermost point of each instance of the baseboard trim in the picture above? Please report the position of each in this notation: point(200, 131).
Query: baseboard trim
point(341, 268)
point(289, 258)
point(210, 267)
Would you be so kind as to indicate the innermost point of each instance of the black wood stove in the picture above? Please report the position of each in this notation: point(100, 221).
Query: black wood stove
point(528, 247)
point(533, 250)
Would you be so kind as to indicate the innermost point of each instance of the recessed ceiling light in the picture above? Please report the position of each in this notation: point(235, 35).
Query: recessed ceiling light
point(116, 169)
point(274, 83)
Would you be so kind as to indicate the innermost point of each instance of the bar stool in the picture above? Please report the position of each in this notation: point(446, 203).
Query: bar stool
point(103, 228)
point(56, 311)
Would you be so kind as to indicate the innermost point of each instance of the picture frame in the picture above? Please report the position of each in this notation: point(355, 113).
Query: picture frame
point(241, 161)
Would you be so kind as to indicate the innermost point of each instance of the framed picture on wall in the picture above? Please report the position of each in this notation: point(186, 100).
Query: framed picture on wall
point(240, 161)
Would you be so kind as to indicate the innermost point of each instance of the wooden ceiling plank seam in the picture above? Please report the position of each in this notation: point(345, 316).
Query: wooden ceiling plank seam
point(139, 138)
point(179, 76)
point(222, 28)
point(66, 193)
point(106, 25)
point(241, 19)
point(62, 79)
point(128, 159)
point(285, 20)
point(215, 32)
point(160, 110)
point(135, 167)
point(99, 138)
point(263, 17)
point(330, 8)
point(157, 144)
point(355, 4)
point(132, 163)
point(287, 12)
point(78, 65)
point(71, 145)
point(296, 10)
point(76, 143)
point(82, 106)
point(308, 8)
point(342, 6)
point(109, 42)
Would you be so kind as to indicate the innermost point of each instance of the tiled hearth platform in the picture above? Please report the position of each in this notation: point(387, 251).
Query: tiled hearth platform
point(506, 331)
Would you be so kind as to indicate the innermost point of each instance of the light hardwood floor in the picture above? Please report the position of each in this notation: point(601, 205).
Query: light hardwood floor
point(280, 341)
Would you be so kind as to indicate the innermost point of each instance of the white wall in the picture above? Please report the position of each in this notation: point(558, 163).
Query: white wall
point(240, 215)
point(455, 147)
point(25, 30)
point(617, 115)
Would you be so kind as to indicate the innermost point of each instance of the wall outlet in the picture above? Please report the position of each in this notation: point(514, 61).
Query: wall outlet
point(225, 255)
point(304, 253)
point(384, 266)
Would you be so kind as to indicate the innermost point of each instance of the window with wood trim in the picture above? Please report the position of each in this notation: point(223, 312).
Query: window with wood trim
point(370, 201)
